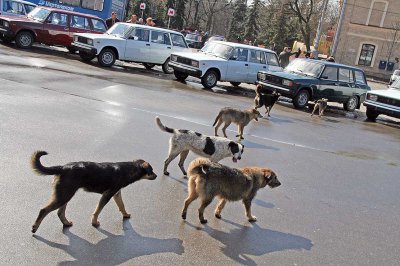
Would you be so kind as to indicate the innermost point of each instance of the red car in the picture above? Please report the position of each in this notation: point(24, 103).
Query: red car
point(49, 26)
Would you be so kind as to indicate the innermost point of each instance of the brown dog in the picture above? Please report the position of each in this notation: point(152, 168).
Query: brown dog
point(241, 118)
point(208, 179)
point(321, 105)
point(105, 178)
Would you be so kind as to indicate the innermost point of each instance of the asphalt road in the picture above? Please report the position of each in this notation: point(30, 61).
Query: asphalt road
point(338, 203)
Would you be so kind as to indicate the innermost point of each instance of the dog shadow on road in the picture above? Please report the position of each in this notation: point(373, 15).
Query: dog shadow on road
point(114, 249)
point(244, 241)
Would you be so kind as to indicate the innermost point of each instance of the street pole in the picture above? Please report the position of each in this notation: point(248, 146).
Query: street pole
point(169, 20)
point(391, 47)
point(319, 30)
point(339, 28)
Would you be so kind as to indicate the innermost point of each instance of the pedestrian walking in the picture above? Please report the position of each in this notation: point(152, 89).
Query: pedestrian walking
point(112, 20)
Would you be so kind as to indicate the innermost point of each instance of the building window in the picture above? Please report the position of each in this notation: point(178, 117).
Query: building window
point(366, 55)
point(377, 13)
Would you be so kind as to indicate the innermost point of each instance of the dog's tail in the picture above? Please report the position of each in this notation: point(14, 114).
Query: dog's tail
point(39, 168)
point(199, 167)
point(217, 118)
point(162, 127)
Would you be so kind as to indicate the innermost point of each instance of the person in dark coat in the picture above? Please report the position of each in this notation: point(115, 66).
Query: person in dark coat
point(284, 56)
point(111, 21)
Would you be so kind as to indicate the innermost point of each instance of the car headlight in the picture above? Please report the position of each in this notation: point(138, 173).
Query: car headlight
point(75, 38)
point(90, 41)
point(6, 24)
point(372, 97)
point(195, 63)
point(287, 82)
point(174, 58)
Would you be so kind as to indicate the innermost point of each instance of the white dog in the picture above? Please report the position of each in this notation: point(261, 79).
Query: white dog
point(183, 141)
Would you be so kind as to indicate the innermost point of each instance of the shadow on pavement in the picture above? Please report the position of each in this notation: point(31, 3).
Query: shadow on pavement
point(114, 249)
point(245, 241)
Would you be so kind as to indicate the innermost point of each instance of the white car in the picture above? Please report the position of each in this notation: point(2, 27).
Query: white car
point(224, 61)
point(394, 76)
point(386, 102)
point(133, 43)
point(15, 7)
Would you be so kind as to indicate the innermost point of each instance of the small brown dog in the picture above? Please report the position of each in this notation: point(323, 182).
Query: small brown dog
point(208, 179)
point(241, 118)
point(104, 178)
point(321, 105)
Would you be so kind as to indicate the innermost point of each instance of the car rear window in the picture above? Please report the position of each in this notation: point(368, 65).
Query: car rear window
point(359, 75)
point(257, 57)
point(160, 37)
point(98, 25)
point(345, 75)
point(272, 60)
point(79, 22)
point(178, 40)
point(58, 19)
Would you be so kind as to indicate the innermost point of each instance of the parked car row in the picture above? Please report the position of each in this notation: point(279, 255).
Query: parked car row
point(303, 80)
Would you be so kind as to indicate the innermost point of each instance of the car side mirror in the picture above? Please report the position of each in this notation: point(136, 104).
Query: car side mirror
point(135, 38)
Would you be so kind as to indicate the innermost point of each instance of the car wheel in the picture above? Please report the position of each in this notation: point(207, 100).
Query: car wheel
point(71, 49)
point(351, 104)
point(149, 66)
point(86, 57)
point(301, 99)
point(235, 84)
point(24, 40)
point(372, 114)
point(106, 57)
point(209, 79)
point(180, 75)
point(166, 68)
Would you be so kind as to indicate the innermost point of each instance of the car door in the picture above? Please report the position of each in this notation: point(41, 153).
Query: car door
point(328, 84)
point(257, 62)
point(78, 24)
point(160, 46)
point(56, 29)
point(138, 45)
point(238, 65)
point(360, 84)
point(346, 87)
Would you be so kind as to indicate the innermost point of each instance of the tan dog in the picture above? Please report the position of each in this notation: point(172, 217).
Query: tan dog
point(208, 179)
point(238, 117)
point(321, 105)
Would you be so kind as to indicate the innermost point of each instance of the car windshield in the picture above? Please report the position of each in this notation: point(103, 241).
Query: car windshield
point(39, 14)
point(218, 49)
point(119, 30)
point(396, 84)
point(303, 67)
point(29, 8)
point(193, 37)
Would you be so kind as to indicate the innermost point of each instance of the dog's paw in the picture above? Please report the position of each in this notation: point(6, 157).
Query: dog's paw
point(126, 215)
point(218, 215)
point(34, 229)
point(184, 215)
point(68, 224)
point(203, 221)
point(253, 219)
point(166, 173)
point(96, 223)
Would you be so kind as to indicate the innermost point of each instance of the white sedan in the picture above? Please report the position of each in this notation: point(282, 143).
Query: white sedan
point(224, 61)
point(133, 43)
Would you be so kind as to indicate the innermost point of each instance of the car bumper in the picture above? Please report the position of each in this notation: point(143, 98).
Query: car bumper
point(290, 93)
point(84, 48)
point(7, 33)
point(382, 108)
point(195, 72)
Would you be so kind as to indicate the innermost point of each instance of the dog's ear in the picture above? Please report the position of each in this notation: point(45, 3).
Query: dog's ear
point(234, 147)
point(145, 165)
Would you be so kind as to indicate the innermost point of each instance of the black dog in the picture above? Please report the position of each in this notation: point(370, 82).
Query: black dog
point(104, 178)
point(268, 100)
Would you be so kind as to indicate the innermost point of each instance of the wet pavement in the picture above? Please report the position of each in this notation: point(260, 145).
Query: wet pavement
point(338, 203)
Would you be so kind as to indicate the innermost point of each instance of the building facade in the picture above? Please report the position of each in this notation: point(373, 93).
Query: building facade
point(370, 36)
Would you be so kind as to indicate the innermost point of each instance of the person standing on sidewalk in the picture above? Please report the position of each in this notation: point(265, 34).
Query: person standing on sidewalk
point(284, 56)
point(111, 21)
